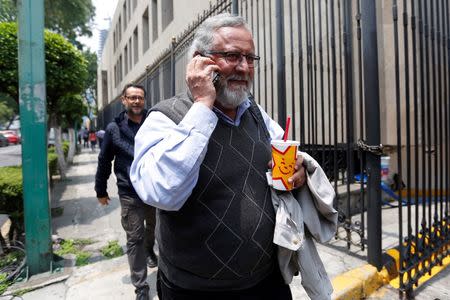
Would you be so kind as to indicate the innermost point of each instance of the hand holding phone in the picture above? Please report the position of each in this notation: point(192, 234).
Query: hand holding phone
point(202, 77)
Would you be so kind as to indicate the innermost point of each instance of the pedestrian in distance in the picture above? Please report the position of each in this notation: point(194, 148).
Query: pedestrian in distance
point(79, 137)
point(85, 138)
point(92, 139)
point(100, 135)
point(201, 159)
point(138, 219)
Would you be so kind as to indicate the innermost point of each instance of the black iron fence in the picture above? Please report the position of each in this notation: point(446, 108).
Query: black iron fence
point(421, 58)
point(353, 74)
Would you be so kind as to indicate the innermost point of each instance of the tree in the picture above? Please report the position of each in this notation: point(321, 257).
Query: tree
point(91, 81)
point(9, 109)
point(8, 60)
point(70, 18)
point(5, 113)
point(73, 107)
point(7, 10)
point(66, 74)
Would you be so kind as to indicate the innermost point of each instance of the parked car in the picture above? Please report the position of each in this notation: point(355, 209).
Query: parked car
point(3, 140)
point(12, 136)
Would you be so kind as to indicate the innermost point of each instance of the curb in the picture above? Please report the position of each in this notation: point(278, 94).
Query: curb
point(395, 282)
point(359, 283)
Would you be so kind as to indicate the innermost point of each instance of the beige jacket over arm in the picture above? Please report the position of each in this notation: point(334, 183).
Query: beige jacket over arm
point(301, 216)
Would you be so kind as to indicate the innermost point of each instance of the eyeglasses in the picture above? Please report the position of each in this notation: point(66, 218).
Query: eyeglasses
point(235, 58)
point(134, 98)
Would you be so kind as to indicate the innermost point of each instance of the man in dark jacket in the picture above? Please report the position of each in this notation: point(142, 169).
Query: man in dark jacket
point(138, 219)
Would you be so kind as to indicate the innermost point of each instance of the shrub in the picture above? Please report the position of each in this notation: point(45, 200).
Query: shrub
point(52, 162)
point(3, 283)
point(11, 194)
point(53, 158)
point(112, 250)
point(75, 247)
point(82, 258)
point(11, 191)
point(65, 148)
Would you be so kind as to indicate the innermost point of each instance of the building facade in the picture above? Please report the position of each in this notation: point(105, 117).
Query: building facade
point(140, 31)
point(103, 34)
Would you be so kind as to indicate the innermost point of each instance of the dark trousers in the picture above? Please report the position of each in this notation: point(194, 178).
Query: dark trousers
point(271, 288)
point(138, 221)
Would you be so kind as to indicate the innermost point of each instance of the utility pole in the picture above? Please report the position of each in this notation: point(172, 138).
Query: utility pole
point(33, 119)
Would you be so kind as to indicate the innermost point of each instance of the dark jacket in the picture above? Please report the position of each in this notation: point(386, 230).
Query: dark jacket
point(118, 145)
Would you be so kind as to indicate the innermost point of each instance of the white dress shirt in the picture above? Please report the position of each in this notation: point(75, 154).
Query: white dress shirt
point(167, 156)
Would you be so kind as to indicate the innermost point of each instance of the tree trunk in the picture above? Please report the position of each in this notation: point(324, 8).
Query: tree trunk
point(72, 145)
point(11, 121)
point(59, 151)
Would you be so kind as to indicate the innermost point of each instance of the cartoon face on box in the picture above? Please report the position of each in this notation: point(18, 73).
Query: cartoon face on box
point(284, 157)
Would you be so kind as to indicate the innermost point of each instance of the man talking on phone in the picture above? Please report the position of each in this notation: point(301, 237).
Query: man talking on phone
point(201, 159)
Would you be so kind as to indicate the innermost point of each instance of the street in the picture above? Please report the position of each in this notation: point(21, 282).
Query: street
point(11, 155)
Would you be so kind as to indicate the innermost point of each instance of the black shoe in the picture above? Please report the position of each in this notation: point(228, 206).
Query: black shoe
point(152, 260)
point(142, 294)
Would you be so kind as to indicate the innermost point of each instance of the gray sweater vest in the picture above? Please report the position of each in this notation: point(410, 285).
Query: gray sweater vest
point(221, 239)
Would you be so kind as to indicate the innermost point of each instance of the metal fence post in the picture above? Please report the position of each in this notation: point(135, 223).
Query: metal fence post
point(172, 66)
point(234, 7)
point(372, 115)
point(281, 63)
point(33, 117)
point(349, 90)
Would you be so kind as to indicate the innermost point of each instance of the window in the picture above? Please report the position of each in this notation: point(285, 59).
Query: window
point(129, 9)
point(114, 40)
point(125, 51)
point(104, 88)
point(145, 31)
point(120, 68)
point(130, 57)
point(135, 45)
point(166, 13)
point(154, 20)
point(119, 25)
point(116, 80)
point(125, 15)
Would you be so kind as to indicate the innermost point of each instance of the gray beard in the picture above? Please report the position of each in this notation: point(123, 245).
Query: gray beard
point(232, 98)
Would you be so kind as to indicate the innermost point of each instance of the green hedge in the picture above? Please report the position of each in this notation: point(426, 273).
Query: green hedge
point(11, 192)
point(53, 158)
point(52, 163)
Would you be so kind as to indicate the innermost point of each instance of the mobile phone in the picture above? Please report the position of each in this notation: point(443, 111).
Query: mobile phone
point(215, 80)
point(216, 75)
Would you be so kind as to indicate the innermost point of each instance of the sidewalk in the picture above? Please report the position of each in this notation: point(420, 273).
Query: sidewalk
point(83, 217)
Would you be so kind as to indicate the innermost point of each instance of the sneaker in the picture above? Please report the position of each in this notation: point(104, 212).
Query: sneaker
point(152, 260)
point(142, 294)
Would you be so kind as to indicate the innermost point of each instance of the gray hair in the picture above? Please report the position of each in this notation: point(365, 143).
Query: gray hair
point(204, 36)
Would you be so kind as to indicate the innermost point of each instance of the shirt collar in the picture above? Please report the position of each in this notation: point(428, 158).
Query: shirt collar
point(240, 111)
